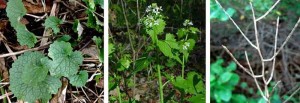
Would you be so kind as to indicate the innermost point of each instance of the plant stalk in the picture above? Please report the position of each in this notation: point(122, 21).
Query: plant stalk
point(119, 94)
point(161, 93)
point(182, 67)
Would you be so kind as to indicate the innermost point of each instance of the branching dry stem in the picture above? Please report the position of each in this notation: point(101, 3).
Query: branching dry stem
point(263, 88)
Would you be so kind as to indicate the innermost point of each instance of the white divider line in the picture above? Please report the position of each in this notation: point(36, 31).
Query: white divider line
point(207, 48)
point(106, 92)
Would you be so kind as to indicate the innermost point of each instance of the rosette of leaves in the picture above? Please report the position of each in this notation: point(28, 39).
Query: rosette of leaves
point(34, 76)
point(29, 79)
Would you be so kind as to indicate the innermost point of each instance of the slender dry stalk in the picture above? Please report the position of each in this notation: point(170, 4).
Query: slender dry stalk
point(263, 89)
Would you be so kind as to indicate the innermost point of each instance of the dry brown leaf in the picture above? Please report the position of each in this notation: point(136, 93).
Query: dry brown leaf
point(36, 7)
point(35, 2)
point(91, 51)
point(112, 15)
point(3, 23)
point(101, 83)
point(24, 21)
point(2, 37)
point(60, 97)
point(4, 71)
point(2, 4)
point(17, 47)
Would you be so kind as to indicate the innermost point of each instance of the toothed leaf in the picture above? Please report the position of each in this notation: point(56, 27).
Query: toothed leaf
point(80, 79)
point(15, 12)
point(28, 78)
point(64, 62)
point(53, 23)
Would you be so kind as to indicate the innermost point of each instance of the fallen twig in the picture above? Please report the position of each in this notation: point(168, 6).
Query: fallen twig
point(5, 95)
point(23, 51)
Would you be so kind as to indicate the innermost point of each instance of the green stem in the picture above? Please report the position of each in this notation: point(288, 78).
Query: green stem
point(2, 92)
point(182, 67)
point(161, 93)
point(119, 94)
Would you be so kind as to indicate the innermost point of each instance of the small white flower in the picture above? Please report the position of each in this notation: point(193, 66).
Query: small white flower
point(190, 23)
point(184, 48)
point(155, 22)
point(148, 8)
point(187, 23)
point(186, 45)
point(150, 24)
point(160, 8)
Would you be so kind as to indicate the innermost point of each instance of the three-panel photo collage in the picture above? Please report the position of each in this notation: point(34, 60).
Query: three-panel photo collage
point(149, 51)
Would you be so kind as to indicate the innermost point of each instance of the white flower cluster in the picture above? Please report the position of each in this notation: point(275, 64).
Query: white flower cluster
point(187, 23)
point(153, 14)
point(154, 9)
point(150, 21)
point(186, 45)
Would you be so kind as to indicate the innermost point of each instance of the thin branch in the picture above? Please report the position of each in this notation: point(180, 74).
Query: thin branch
point(165, 83)
point(88, 8)
point(273, 89)
point(263, 16)
point(286, 40)
point(37, 17)
point(85, 94)
point(22, 51)
point(10, 51)
point(255, 80)
point(236, 25)
point(275, 47)
point(5, 95)
point(257, 43)
point(292, 95)
point(238, 63)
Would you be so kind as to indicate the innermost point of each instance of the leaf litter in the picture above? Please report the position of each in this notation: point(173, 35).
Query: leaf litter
point(32, 22)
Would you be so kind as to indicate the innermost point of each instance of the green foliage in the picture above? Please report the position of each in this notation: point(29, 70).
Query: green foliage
point(175, 49)
point(166, 51)
point(142, 63)
point(64, 61)
point(98, 42)
point(286, 9)
point(216, 12)
point(154, 22)
point(93, 21)
point(53, 23)
point(80, 79)
point(25, 37)
point(170, 47)
point(64, 38)
point(223, 81)
point(191, 85)
point(35, 76)
point(29, 75)
point(124, 63)
point(15, 11)
point(100, 2)
point(29, 80)
point(111, 48)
